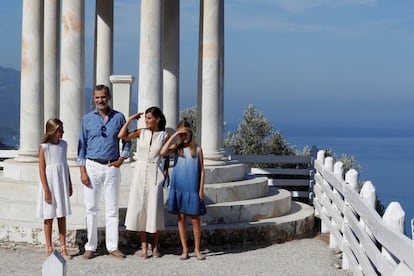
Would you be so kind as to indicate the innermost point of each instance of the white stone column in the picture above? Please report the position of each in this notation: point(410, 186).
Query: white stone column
point(151, 56)
point(104, 24)
point(200, 74)
point(121, 93)
point(72, 76)
point(211, 117)
point(221, 85)
point(171, 76)
point(51, 59)
point(31, 85)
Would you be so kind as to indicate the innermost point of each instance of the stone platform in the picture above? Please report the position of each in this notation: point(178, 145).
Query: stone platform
point(240, 209)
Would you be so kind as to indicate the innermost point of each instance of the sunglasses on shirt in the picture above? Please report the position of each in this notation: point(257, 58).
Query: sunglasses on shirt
point(103, 131)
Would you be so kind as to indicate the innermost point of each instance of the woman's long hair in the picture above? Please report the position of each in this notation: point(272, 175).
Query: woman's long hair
point(51, 126)
point(157, 113)
point(191, 144)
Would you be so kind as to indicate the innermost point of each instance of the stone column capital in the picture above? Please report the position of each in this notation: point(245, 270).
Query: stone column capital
point(121, 78)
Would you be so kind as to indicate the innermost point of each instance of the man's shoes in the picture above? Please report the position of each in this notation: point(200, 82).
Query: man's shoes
point(117, 254)
point(88, 254)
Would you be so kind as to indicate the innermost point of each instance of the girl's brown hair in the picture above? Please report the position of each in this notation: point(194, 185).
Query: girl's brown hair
point(191, 143)
point(51, 126)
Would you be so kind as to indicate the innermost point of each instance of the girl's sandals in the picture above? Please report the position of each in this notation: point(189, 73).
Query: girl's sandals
point(200, 257)
point(156, 252)
point(49, 250)
point(144, 252)
point(64, 253)
point(184, 256)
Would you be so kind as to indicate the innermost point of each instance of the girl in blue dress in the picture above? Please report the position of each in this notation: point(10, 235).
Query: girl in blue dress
point(187, 185)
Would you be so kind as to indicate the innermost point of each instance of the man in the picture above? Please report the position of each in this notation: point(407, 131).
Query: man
point(99, 159)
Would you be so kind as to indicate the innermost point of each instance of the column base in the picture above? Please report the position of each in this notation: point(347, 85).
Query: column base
point(25, 169)
point(27, 156)
point(224, 173)
point(26, 159)
point(215, 158)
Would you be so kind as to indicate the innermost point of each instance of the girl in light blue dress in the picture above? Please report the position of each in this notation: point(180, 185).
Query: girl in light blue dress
point(186, 197)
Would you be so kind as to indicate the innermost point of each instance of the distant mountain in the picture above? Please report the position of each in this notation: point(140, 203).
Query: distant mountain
point(10, 107)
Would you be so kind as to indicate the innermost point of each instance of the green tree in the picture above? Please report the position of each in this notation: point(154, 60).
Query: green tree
point(254, 135)
point(190, 114)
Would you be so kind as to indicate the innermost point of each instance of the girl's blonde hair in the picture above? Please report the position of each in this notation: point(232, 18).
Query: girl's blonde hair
point(191, 144)
point(51, 126)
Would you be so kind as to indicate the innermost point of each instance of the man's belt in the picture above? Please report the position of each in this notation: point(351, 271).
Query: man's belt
point(103, 161)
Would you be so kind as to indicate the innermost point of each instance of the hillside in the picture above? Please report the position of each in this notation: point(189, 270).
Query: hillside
point(10, 107)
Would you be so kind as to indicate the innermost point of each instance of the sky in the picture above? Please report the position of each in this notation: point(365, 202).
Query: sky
point(300, 62)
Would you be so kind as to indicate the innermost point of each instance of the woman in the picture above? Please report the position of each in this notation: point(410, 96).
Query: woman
point(145, 212)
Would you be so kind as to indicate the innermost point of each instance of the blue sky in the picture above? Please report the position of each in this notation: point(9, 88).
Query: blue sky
point(318, 61)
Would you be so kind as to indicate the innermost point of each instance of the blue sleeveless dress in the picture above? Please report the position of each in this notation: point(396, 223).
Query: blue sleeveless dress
point(185, 183)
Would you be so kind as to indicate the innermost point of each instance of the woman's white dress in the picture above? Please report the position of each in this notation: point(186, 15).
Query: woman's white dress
point(57, 175)
point(146, 200)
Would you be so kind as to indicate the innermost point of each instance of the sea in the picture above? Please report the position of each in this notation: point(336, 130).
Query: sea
point(385, 155)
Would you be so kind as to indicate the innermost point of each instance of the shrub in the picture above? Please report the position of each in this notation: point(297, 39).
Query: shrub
point(254, 135)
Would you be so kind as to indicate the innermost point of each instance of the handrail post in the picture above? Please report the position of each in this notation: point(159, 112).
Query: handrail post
point(412, 231)
point(368, 195)
point(394, 217)
point(321, 156)
point(338, 171)
point(328, 165)
point(351, 178)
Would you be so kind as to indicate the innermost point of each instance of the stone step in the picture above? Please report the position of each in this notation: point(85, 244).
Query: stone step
point(252, 187)
point(18, 199)
point(298, 223)
point(274, 205)
point(214, 193)
point(234, 205)
point(278, 203)
point(222, 174)
point(22, 211)
point(249, 188)
point(213, 174)
point(28, 191)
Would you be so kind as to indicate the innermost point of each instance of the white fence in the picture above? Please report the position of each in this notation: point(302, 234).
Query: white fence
point(371, 245)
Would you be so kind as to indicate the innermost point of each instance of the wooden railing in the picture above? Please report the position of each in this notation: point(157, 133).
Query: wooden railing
point(371, 245)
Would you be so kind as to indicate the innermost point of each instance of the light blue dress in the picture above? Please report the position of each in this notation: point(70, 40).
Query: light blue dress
point(185, 183)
